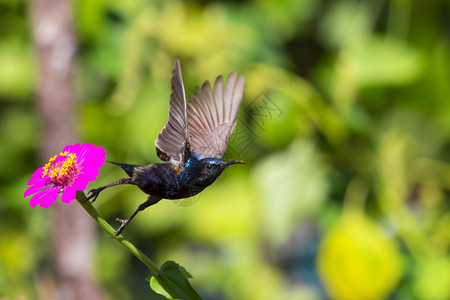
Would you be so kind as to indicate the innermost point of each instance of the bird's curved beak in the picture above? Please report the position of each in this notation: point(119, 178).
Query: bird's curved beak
point(233, 162)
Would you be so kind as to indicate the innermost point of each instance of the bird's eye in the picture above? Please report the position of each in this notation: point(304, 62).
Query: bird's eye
point(209, 167)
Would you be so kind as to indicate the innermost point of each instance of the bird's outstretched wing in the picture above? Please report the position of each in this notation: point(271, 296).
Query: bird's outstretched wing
point(172, 143)
point(212, 115)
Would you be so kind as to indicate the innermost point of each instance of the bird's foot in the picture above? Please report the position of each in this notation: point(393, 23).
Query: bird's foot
point(93, 194)
point(122, 226)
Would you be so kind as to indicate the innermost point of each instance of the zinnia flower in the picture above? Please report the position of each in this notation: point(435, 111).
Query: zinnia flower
point(66, 173)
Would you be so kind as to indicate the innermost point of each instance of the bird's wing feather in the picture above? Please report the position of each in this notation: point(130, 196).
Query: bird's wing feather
point(173, 140)
point(212, 115)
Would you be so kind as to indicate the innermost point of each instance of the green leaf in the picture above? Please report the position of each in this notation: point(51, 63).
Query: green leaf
point(171, 282)
point(156, 286)
point(385, 61)
point(185, 272)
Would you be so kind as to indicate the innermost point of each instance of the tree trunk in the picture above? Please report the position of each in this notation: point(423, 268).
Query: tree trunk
point(73, 230)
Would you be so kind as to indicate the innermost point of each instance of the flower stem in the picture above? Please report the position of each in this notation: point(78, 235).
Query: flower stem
point(81, 197)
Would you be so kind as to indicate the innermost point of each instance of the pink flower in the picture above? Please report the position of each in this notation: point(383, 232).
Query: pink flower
point(66, 173)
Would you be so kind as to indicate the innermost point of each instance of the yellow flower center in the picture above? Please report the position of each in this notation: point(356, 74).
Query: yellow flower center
point(61, 169)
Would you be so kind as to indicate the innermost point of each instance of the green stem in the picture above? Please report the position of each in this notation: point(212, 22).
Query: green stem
point(81, 197)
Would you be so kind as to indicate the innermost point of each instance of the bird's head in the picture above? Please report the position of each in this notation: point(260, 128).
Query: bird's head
point(205, 171)
point(215, 166)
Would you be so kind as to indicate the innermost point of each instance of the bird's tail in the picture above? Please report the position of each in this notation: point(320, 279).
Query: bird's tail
point(129, 169)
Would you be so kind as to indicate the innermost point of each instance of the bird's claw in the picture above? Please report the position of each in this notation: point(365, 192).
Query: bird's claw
point(93, 194)
point(122, 226)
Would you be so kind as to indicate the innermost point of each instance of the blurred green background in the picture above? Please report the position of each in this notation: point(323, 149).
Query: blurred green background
point(345, 128)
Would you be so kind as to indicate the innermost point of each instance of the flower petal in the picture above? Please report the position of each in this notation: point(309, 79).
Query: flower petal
point(33, 189)
point(45, 198)
point(72, 148)
point(89, 174)
point(51, 197)
point(82, 151)
point(91, 161)
point(80, 184)
point(36, 180)
point(68, 194)
point(92, 155)
point(36, 177)
point(38, 172)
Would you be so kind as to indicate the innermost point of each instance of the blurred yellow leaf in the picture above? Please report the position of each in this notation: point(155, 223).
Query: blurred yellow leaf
point(17, 69)
point(385, 61)
point(16, 259)
point(357, 261)
point(432, 277)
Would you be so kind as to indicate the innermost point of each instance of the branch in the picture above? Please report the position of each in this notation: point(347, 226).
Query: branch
point(81, 197)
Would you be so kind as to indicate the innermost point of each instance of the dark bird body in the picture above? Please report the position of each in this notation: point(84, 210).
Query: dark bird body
point(163, 181)
point(192, 143)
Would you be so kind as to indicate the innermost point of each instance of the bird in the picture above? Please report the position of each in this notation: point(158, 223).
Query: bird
point(191, 144)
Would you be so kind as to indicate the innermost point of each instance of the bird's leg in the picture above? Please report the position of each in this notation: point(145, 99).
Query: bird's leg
point(93, 194)
point(150, 201)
